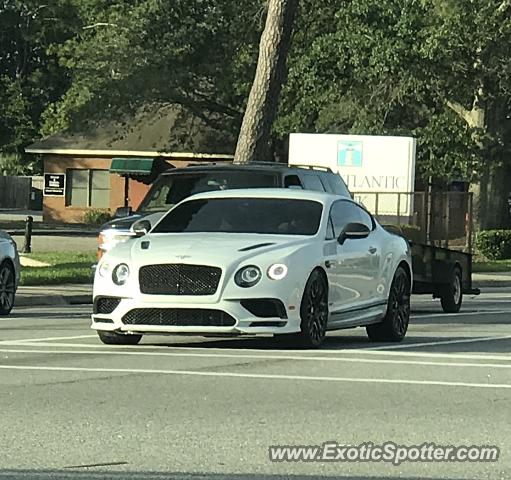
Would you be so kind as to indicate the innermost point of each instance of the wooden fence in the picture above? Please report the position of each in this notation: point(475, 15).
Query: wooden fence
point(15, 192)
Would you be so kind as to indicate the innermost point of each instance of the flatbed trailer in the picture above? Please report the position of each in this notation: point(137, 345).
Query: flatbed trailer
point(442, 272)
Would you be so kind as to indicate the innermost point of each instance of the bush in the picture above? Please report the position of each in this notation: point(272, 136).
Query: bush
point(494, 244)
point(97, 217)
point(15, 164)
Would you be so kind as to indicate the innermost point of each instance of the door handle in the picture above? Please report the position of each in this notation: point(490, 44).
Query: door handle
point(372, 250)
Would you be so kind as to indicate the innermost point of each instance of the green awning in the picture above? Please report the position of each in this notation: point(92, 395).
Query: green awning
point(132, 166)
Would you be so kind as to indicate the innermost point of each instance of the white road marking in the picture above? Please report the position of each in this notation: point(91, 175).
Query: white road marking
point(460, 356)
point(441, 342)
point(46, 339)
point(263, 357)
point(260, 376)
point(460, 314)
point(347, 351)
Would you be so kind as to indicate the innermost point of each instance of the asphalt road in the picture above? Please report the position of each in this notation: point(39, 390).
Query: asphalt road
point(199, 408)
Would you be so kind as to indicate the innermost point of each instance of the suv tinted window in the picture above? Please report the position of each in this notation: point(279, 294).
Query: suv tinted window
point(337, 185)
point(171, 189)
point(312, 182)
point(292, 181)
point(244, 215)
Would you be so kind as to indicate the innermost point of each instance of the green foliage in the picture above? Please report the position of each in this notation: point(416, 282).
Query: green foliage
point(16, 164)
point(400, 68)
point(30, 77)
point(131, 55)
point(389, 67)
point(97, 217)
point(494, 244)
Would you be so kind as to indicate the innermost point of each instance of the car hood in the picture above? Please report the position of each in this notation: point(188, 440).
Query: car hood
point(4, 235)
point(212, 249)
point(125, 223)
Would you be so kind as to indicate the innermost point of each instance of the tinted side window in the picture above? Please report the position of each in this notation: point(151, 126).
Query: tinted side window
point(292, 181)
point(330, 233)
point(326, 184)
point(312, 182)
point(337, 185)
point(343, 213)
point(365, 218)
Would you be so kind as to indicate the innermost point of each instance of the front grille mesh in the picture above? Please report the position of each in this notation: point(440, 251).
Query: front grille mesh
point(179, 279)
point(105, 305)
point(178, 317)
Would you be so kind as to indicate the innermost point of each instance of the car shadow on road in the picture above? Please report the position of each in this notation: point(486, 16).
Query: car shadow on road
point(75, 474)
point(347, 343)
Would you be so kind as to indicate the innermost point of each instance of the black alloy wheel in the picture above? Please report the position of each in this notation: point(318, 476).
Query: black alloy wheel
point(394, 326)
point(314, 311)
point(7, 288)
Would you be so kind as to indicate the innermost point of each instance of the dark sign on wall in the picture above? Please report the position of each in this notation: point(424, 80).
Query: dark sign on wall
point(54, 184)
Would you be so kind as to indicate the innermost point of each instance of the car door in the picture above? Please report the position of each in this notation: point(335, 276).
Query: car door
point(353, 266)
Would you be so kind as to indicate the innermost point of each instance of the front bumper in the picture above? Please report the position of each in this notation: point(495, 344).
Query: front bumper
point(243, 321)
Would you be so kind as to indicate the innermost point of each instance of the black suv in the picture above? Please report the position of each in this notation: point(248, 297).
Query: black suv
point(177, 184)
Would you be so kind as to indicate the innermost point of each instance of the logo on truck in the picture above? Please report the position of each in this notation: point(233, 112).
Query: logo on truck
point(349, 153)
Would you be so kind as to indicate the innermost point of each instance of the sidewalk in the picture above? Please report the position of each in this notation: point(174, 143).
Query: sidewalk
point(52, 295)
point(497, 279)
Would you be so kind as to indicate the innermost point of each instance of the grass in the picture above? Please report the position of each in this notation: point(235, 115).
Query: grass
point(65, 267)
point(482, 266)
point(75, 267)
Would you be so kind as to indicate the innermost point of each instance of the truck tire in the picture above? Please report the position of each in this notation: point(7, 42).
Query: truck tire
point(113, 338)
point(451, 295)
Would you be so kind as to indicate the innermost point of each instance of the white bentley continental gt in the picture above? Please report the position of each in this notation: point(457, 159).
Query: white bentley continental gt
point(260, 261)
point(9, 272)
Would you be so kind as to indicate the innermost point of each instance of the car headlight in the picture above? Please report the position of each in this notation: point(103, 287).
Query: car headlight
point(121, 274)
point(104, 269)
point(277, 271)
point(248, 276)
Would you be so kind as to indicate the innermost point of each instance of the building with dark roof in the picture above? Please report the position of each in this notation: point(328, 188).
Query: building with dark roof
point(113, 164)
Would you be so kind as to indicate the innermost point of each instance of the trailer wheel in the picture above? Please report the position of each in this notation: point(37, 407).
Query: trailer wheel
point(451, 295)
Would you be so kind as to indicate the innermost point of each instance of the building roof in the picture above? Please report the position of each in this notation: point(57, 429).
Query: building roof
point(170, 131)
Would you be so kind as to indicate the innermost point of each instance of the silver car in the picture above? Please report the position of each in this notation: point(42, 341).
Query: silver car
point(9, 272)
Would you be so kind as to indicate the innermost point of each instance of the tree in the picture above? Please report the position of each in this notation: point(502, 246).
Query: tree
point(469, 47)
point(414, 68)
point(148, 53)
point(30, 77)
point(254, 138)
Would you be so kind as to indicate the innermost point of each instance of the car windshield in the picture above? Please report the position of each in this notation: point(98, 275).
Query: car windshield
point(275, 216)
point(169, 190)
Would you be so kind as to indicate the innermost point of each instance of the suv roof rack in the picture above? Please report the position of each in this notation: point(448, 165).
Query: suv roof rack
point(314, 167)
point(261, 162)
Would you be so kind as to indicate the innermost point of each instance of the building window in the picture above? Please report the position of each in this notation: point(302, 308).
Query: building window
point(88, 188)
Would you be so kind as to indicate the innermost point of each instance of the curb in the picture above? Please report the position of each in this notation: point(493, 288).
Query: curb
point(54, 233)
point(492, 283)
point(51, 300)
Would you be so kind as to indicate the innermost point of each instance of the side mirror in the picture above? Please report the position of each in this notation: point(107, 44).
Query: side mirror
point(123, 212)
point(141, 228)
point(354, 230)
